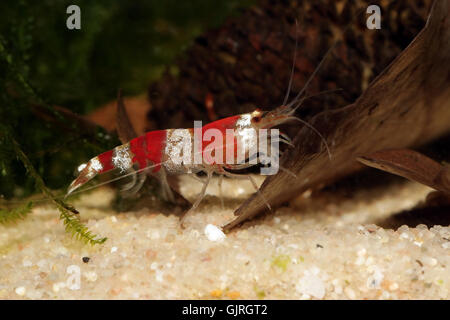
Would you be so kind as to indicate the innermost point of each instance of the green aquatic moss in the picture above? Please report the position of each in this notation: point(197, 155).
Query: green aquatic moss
point(121, 44)
point(68, 214)
point(8, 216)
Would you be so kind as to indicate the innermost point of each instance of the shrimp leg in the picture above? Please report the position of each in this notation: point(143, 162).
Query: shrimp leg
point(220, 190)
point(253, 182)
point(132, 183)
point(137, 184)
point(219, 186)
point(166, 190)
point(199, 198)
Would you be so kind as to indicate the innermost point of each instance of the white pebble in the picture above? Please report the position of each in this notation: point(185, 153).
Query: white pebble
point(338, 289)
point(113, 249)
point(430, 261)
point(350, 293)
point(369, 261)
point(21, 291)
point(34, 294)
point(195, 233)
point(159, 276)
point(135, 295)
point(57, 286)
point(404, 235)
point(393, 286)
point(153, 266)
point(155, 235)
point(337, 286)
point(41, 263)
point(314, 270)
point(27, 263)
point(62, 251)
point(90, 276)
point(374, 281)
point(359, 261)
point(443, 293)
point(114, 219)
point(213, 233)
point(311, 285)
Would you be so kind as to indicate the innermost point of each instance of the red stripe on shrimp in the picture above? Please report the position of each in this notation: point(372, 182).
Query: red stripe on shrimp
point(149, 147)
point(137, 147)
point(156, 143)
point(222, 125)
point(106, 160)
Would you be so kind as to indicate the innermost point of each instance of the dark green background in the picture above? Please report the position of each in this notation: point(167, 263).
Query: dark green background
point(122, 44)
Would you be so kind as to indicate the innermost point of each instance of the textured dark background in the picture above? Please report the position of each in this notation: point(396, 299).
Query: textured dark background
point(235, 54)
point(247, 61)
point(122, 44)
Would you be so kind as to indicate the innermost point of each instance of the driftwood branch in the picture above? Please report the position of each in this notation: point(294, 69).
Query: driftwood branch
point(411, 165)
point(407, 105)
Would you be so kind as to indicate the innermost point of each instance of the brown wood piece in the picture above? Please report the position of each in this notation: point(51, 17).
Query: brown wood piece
point(411, 165)
point(407, 105)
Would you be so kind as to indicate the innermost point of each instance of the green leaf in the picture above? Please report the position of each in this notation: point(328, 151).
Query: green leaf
point(8, 216)
point(67, 212)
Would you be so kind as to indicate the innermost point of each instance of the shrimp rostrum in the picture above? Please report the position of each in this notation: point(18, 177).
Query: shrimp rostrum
point(222, 147)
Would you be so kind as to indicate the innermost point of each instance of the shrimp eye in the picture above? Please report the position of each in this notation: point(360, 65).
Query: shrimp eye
point(256, 119)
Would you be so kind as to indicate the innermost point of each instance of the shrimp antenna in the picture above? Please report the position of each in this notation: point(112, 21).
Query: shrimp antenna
point(316, 131)
point(300, 101)
point(311, 77)
point(316, 95)
point(90, 188)
point(293, 65)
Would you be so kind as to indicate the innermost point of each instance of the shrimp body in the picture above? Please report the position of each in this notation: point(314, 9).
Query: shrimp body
point(161, 150)
point(157, 147)
point(138, 151)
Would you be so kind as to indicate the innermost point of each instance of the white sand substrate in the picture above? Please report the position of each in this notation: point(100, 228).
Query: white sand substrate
point(320, 247)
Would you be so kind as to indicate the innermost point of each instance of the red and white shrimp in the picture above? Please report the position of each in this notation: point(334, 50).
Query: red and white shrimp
point(154, 150)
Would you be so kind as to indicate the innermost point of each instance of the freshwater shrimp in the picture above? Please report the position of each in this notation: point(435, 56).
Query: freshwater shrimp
point(155, 149)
